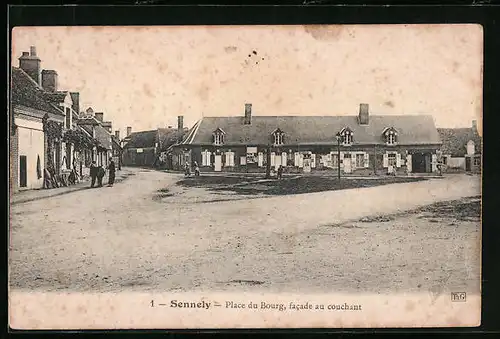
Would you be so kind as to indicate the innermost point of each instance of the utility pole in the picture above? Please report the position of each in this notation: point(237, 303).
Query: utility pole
point(268, 162)
point(338, 155)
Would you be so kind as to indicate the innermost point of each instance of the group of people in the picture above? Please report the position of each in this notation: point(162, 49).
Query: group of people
point(187, 170)
point(98, 172)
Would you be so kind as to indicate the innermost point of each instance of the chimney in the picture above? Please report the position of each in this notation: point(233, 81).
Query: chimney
point(30, 63)
point(248, 114)
point(474, 125)
point(99, 116)
point(129, 131)
point(363, 114)
point(117, 134)
point(49, 80)
point(75, 96)
point(180, 122)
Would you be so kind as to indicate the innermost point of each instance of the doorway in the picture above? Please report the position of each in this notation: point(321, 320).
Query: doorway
point(421, 163)
point(23, 175)
point(218, 163)
point(347, 163)
point(468, 164)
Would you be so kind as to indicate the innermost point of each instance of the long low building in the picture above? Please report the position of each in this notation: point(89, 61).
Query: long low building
point(364, 144)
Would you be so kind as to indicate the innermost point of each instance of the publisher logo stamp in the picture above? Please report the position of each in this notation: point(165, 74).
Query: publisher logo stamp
point(458, 296)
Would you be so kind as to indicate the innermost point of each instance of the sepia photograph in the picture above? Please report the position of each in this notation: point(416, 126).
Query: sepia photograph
point(245, 176)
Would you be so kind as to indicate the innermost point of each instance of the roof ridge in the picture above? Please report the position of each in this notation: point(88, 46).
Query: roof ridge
point(321, 116)
point(31, 79)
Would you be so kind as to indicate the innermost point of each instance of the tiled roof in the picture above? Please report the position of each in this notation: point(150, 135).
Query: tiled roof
point(26, 92)
point(168, 137)
point(412, 129)
point(115, 143)
point(84, 130)
point(455, 140)
point(88, 121)
point(142, 139)
point(103, 137)
point(56, 97)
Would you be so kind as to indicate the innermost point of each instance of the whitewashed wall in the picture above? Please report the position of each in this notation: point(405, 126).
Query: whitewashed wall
point(31, 145)
point(458, 162)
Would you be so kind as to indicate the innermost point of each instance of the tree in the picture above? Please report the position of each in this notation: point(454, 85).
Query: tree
point(79, 139)
point(53, 132)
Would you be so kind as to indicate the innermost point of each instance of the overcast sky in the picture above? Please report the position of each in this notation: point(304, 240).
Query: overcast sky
point(145, 77)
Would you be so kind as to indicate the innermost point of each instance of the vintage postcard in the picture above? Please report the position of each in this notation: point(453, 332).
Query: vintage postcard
point(196, 177)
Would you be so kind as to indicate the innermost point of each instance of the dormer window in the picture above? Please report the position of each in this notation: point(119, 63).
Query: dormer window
point(219, 136)
point(278, 137)
point(391, 136)
point(347, 136)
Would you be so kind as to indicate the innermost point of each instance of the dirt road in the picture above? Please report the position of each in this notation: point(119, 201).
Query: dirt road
point(123, 237)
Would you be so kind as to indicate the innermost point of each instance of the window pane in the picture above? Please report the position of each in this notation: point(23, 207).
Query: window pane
point(360, 160)
point(392, 159)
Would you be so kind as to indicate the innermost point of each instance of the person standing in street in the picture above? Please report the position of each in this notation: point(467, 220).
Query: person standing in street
point(100, 174)
point(280, 172)
point(93, 173)
point(111, 173)
point(196, 169)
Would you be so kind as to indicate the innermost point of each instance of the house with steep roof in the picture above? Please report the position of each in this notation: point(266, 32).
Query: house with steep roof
point(93, 125)
point(47, 139)
point(28, 108)
point(40, 114)
point(461, 149)
point(148, 148)
point(361, 144)
point(140, 149)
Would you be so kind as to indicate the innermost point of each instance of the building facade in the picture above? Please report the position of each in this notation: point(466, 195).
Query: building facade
point(47, 141)
point(102, 151)
point(36, 123)
point(461, 149)
point(358, 145)
point(148, 148)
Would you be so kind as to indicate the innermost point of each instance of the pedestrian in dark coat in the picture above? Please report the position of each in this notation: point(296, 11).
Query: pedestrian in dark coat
point(111, 173)
point(280, 172)
point(93, 173)
point(100, 175)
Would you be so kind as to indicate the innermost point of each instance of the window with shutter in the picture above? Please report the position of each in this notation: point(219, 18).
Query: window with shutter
point(335, 160)
point(398, 160)
point(408, 163)
point(209, 158)
point(283, 158)
point(229, 161)
point(434, 163)
point(243, 160)
point(301, 160)
point(313, 160)
point(360, 160)
point(204, 158)
point(260, 159)
point(367, 160)
point(386, 160)
point(391, 159)
point(272, 158)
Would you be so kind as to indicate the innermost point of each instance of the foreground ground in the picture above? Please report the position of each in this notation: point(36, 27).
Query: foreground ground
point(147, 233)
